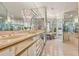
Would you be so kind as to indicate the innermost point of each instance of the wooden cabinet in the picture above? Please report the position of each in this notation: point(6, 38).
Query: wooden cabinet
point(66, 37)
point(32, 50)
point(36, 48)
point(39, 46)
point(22, 45)
point(8, 52)
point(27, 45)
point(25, 53)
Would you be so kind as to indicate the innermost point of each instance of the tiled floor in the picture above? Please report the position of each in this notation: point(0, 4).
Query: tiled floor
point(51, 49)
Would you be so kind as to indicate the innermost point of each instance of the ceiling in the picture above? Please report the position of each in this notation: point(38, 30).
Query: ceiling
point(53, 8)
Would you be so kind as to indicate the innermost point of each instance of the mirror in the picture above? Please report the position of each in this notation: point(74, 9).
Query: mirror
point(3, 17)
point(70, 21)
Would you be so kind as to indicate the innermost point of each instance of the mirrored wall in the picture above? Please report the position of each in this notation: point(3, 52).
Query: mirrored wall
point(71, 22)
point(3, 16)
point(29, 20)
point(7, 21)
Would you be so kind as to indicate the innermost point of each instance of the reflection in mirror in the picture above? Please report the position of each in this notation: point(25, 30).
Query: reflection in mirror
point(3, 16)
point(27, 20)
point(71, 21)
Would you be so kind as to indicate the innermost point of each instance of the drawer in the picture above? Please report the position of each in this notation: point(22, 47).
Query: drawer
point(8, 52)
point(22, 45)
point(25, 53)
point(32, 50)
point(36, 37)
point(37, 43)
point(39, 50)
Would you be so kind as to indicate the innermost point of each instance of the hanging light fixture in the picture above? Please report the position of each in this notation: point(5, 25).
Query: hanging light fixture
point(76, 20)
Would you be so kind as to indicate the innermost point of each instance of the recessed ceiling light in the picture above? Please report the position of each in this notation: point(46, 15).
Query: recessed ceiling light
point(76, 20)
point(71, 15)
point(52, 8)
point(1, 17)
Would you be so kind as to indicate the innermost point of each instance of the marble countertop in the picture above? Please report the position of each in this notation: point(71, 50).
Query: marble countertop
point(5, 42)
